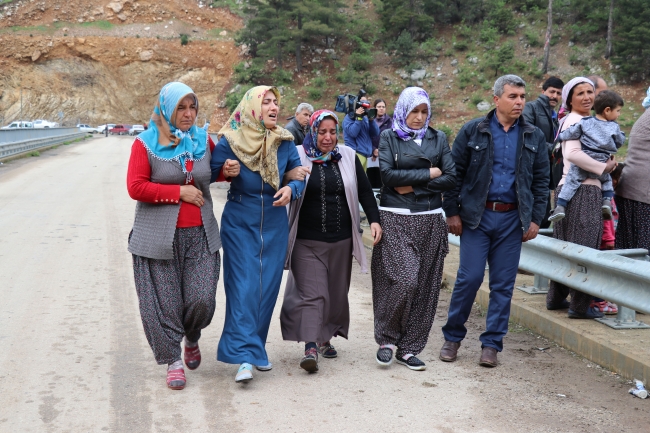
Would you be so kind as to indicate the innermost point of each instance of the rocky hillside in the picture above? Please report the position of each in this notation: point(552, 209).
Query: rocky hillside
point(89, 62)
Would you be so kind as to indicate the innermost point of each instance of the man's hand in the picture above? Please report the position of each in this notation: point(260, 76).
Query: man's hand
point(531, 233)
point(191, 194)
point(231, 168)
point(404, 189)
point(284, 195)
point(375, 154)
point(360, 111)
point(376, 232)
point(455, 225)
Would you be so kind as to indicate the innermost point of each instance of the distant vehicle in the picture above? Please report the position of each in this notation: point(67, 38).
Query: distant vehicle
point(19, 124)
point(41, 124)
point(136, 129)
point(87, 128)
point(119, 130)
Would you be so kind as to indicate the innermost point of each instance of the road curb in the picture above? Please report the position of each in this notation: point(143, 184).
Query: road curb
point(556, 328)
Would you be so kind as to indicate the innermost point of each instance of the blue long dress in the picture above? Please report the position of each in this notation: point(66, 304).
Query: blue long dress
point(254, 235)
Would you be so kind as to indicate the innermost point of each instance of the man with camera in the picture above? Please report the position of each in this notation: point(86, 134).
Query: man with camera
point(358, 130)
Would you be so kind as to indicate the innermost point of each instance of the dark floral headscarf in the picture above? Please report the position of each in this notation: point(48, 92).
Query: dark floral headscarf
point(410, 98)
point(311, 139)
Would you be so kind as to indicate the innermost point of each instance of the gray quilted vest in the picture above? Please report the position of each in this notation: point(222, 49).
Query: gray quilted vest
point(155, 224)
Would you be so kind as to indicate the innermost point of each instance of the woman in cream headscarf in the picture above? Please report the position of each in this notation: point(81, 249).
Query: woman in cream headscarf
point(254, 224)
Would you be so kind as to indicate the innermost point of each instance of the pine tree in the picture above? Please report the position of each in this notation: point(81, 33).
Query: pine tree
point(632, 39)
point(406, 15)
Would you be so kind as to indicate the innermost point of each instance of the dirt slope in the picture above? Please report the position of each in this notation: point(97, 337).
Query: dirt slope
point(90, 63)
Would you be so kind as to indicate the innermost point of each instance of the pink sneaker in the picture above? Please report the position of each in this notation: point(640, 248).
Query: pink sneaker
point(176, 379)
point(192, 357)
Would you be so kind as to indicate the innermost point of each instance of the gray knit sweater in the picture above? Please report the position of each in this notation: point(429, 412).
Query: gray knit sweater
point(595, 135)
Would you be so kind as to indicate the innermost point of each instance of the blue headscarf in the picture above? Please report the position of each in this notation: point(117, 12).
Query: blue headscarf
point(168, 143)
point(646, 101)
point(310, 141)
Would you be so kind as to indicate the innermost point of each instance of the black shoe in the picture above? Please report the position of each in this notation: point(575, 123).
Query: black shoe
point(591, 313)
point(561, 306)
point(385, 356)
point(413, 363)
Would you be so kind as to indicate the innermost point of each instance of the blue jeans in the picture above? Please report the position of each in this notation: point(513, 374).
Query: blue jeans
point(497, 239)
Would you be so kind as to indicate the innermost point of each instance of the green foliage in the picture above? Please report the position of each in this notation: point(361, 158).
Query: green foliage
point(501, 16)
point(346, 77)
point(476, 98)
point(461, 45)
point(405, 49)
point(398, 16)
point(499, 60)
point(465, 78)
point(632, 40)
point(527, 5)
point(318, 82)
point(447, 130)
point(282, 76)
point(359, 61)
point(253, 74)
point(233, 99)
point(100, 24)
point(455, 11)
point(430, 47)
point(367, 81)
point(489, 35)
point(185, 39)
point(533, 39)
point(315, 93)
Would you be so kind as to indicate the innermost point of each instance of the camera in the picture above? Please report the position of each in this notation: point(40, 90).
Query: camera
point(367, 111)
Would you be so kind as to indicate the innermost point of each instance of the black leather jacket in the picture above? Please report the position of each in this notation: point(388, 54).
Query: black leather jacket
point(404, 163)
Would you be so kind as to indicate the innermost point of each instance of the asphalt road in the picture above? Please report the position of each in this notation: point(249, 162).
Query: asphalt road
point(74, 357)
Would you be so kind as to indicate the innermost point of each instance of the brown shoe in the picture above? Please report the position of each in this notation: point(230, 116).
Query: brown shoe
point(488, 357)
point(449, 351)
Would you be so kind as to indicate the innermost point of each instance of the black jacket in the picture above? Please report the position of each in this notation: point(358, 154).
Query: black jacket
point(540, 114)
point(404, 163)
point(297, 130)
point(473, 153)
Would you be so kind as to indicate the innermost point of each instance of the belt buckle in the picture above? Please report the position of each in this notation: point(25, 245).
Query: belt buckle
point(494, 205)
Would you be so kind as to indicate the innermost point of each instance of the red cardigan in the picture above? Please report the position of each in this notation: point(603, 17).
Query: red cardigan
point(140, 187)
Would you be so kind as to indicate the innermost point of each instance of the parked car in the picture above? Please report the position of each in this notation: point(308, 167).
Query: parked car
point(87, 128)
point(119, 130)
point(136, 129)
point(19, 124)
point(40, 124)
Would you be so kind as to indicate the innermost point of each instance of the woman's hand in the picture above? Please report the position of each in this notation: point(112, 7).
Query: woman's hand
point(404, 189)
point(610, 165)
point(191, 194)
point(231, 168)
point(434, 172)
point(284, 195)
point(298, 173)
point(376, 232)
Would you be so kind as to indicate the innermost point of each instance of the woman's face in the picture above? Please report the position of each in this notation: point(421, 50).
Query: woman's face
point(582, 99)
point(381, 109)
point(270, 109)
point(417, 117)
point(326, 136)
point(186, 111)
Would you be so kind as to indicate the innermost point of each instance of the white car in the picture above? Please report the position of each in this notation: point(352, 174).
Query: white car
point(102, 128)
point(19, 124)
point(136, 129)
point(87, 128)
point(40, 124)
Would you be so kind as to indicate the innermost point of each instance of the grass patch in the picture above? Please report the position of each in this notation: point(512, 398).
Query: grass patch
point(214, 33)
point(231, 5)
point(35, 153)
point(101, 24)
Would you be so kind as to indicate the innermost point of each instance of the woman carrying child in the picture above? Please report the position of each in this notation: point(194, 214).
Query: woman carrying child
point(583, 222)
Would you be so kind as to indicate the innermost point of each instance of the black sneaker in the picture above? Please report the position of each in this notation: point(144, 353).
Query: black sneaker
point(310, 361)
point(591, 313)
point(413, 363)
point(385, 356)
point(327, 350)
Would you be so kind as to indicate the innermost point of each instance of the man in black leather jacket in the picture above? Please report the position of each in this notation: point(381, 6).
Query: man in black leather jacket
point(541, 113)
point(502, 173)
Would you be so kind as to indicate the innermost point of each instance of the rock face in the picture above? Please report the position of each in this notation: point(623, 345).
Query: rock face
point(36, 55)
point(418, 74)
point(483, 106)
point(146, 55)
point(115, 6)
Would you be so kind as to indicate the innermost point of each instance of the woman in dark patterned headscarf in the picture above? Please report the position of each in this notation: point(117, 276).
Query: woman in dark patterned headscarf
point(416, 166)
point(324, 233)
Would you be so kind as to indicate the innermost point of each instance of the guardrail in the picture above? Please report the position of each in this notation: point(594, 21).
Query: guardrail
point(18, 147)
point(16, 135)
point(605, 274)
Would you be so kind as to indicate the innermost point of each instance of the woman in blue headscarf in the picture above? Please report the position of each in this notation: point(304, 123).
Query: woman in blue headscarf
point(416, 166)
point(175, 238)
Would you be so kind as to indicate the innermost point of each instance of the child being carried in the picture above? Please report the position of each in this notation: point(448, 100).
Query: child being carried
point(600, 138)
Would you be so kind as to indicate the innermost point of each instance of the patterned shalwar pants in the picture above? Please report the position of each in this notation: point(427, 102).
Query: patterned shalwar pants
point(407, 267)
point(177, 296)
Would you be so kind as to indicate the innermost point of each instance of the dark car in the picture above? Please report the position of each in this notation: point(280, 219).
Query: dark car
point(119, 130)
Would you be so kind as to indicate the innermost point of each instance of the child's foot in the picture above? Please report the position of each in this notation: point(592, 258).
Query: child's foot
point(557, 214)
point(607, 209)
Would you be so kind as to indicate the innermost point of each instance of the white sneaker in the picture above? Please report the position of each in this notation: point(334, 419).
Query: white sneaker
point(245, 373)
point(266, 367)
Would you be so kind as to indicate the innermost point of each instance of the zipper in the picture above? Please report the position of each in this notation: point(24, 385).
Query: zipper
point(521, 154)
point(487, 191)
point(261, 237)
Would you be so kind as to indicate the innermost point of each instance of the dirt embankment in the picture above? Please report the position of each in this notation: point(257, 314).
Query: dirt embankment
point(90, 63)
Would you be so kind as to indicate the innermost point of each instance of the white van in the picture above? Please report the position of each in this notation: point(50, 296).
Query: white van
point(20, 124)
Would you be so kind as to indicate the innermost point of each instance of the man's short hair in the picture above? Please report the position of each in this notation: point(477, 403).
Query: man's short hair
point(554, 82)
point(607, 98)
point(596, 79)
point(511, 80)
point(304, 106)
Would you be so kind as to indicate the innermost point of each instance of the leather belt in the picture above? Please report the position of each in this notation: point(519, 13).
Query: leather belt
point(498, 206)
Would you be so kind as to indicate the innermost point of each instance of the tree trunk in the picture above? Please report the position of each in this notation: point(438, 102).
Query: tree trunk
point(610, 25)
point(299, 44)
point(547, 42)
